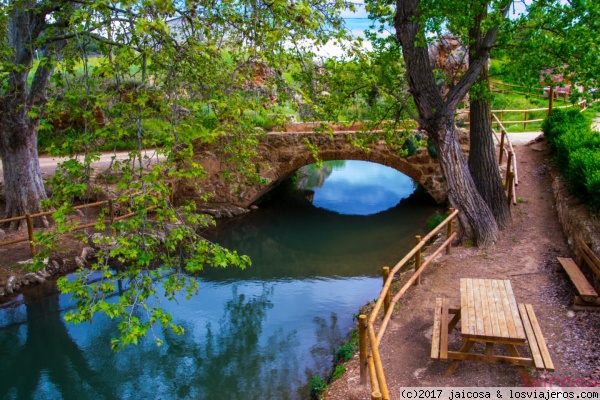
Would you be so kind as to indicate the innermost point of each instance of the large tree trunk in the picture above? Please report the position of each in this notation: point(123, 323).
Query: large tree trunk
point(436, 116)
point(21, 105)
point(475, 217)
point(482, 158)
point(483, 163)
point(23, 183)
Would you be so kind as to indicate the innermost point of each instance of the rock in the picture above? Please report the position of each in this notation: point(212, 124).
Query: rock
point(253, 207)
point(2, 234)
point(79, 213)
point(79, 262)
point(31, 277)
point(87, 252)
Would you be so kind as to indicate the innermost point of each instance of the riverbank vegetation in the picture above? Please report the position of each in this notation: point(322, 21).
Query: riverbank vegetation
point(80, 78)
point(576, 152)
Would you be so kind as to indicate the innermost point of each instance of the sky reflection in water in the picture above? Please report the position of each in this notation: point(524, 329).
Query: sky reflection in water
point(362, 188)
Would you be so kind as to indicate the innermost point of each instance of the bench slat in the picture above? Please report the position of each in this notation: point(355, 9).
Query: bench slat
point(435, 339)
point(444, 334)
point(592, 260)
point(540, 338)
point(585, 289)
point(535, 350)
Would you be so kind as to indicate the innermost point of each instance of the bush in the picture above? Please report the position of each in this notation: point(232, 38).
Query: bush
point(344, 352)
point(583, 163)
point(560, 122)
point(317, 386)
point(437, 219)
point(576, 153)
point(410, 147)
point(573, 139)
point(592, 185)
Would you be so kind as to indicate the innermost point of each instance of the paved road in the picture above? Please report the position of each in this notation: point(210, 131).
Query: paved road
point(521, 138)
point(48, 163)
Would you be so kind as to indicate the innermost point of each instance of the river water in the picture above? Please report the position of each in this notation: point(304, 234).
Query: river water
point(261, 333)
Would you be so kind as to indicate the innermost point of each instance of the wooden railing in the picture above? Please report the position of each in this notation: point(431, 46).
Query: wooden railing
point(502, 87)
point(111, 220)
point(369, 339)
point(511, 178)
point(526, 114)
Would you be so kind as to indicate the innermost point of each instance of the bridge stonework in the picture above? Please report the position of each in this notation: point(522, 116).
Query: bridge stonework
point(282, 153)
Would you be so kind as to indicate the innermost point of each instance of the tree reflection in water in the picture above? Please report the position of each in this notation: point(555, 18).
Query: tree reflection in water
point(49, 359)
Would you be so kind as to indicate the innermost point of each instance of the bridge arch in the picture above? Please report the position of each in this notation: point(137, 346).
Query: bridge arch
point(282, 153)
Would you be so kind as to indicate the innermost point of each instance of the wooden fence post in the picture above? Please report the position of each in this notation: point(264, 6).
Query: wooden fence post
point(111, 216)
point(502, 133)
point(510, 179)
point(508, 166)
point(387, 298)
point(362, 346)
point(375, 396)
point(449, 232)
point(525, 122)
point(30, 233)
point(550, 99)
point(418, 260)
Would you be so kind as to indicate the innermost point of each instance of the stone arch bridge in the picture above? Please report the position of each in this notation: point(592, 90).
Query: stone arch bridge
point(282, 153)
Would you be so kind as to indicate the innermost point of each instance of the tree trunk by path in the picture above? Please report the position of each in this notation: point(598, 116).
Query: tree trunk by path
point(482, 152)
point(436, 117)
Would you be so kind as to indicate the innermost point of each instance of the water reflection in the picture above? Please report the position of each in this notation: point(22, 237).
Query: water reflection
point(355, 187)
point(261, 333)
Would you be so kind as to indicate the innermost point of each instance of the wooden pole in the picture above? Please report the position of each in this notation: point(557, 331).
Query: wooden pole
point(508, 166)
point(418, 260)
point(386, 299)
point(525, 122)
point(449, 232)
point(362, 346)
point(510, 179)
point(111, 216)
point(375, 396)
point(502, 133)
point(30, 234)
point(550, 99)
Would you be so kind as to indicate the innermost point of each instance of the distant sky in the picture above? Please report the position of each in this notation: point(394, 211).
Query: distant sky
point(357, 22)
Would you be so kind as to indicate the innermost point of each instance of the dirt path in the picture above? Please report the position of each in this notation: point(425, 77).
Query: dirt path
point(526, 254)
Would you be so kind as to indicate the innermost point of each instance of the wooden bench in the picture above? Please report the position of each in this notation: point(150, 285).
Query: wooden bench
point(587, 298)
point(537, 344)
point(441, 326)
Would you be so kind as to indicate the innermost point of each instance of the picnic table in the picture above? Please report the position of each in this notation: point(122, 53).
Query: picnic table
point(489, 313)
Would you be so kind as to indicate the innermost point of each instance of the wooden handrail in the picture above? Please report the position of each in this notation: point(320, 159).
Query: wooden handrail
point(371, 361)
point(28, 218)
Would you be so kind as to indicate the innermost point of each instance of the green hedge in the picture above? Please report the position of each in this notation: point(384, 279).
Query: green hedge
point(576, 150)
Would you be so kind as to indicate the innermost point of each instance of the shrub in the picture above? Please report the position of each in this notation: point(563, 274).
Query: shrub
point(560, 122)
point(410, 147)
point(582, 164)
point(338, 372)
point(431, 148)
point(437, 219)
point(317, 386)
point(593, 189)
point(344, 352)
point(573, 139)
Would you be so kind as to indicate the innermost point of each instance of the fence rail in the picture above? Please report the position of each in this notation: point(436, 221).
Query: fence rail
point(370, 360)
point(506, 148)
point(111, 219)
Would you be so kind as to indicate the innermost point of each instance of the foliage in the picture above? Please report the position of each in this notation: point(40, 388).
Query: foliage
point(317, 386)
point(558, 37)
point(338, 372)
point(166, 75)
point(344, 353)
point(437, 219)
point(576, 151)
